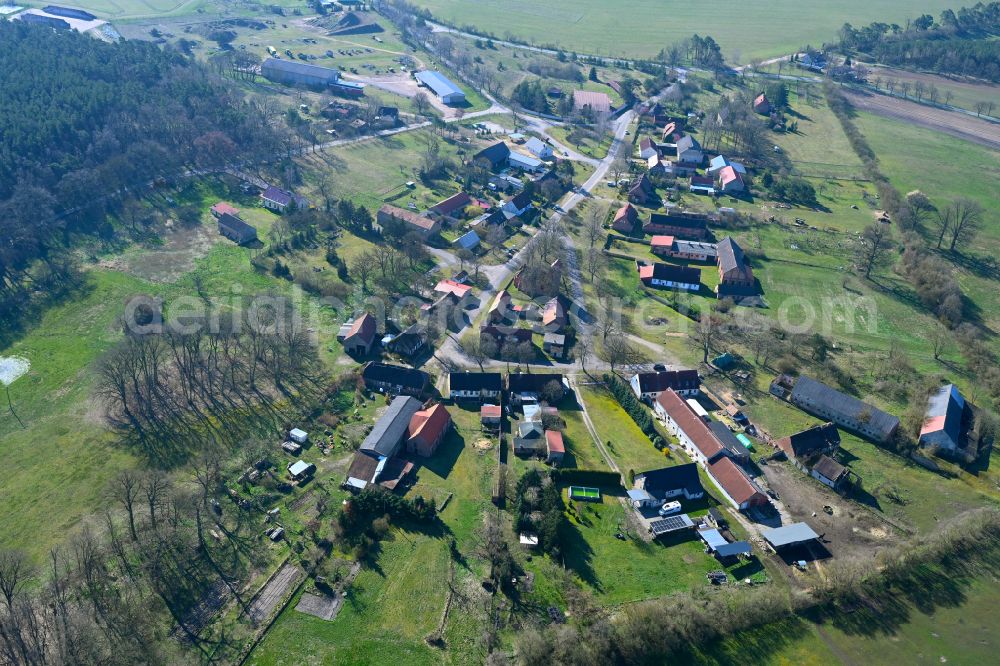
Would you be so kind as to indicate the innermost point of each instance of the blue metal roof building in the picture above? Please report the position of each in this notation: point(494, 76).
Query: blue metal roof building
point(442, 86)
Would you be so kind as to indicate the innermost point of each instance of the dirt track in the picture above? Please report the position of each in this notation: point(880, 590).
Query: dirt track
point(850, 531)
point(947, 122)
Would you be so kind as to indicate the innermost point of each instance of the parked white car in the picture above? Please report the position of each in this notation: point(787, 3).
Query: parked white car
point(670, 508)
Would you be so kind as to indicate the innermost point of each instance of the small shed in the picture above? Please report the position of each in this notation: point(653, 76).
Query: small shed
point(641, 499)
point(528, 541)
point(789, 535)
point(300, 469)
point(298, 436)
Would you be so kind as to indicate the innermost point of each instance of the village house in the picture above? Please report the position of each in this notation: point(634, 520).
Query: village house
point(427, 429)
point(501, 335)
point(531, 387)
point(803, 447)
point(500, 310)
point(462, 292)
point(539, 148)
point(596, 102)
point(389, 215)
point(702, 185)
point(358, 335)
point(830, 473)
point(517, 205)
point(484, 386)
point(555, 449)
point(641, 191)
point(735, 485)
point(731, 181)
point(681, 224)
point(670, 482)
point(222, 208)
point(554, 316)
point(375, 462)
point(942, 426)
point(554, 344)
point(692, 432)
point(647, 148)
point(668, 246)
point(846, 411)
point(452, 208)
point(720, 162)
point(734, 447)
point(669, 276)
point(529, 439)
point(394, 379)
point(762, 105)
point(236, 230)
point(688, 150)
point(735, 275)
point(495, 154)
point(467, 241)
point(490, 416)
point(278, 200)
point(703, 446)
point(648, 386)
point(626, 220)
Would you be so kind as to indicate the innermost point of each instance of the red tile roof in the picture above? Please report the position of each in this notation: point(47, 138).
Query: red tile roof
point(553, 312)
point(407, 216)
point(598, 101)
point(661, 241)
point(428, 424)
point(490, 412)
point(452, 287)
point(697, 430)
point(727, 175)
point(222, 207)
point(554, 440)
point(364, 327)
point(734, 481)
point(452, 203)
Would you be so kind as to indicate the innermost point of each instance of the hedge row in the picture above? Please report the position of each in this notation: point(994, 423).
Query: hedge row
point(622, 392)
point(587, 477)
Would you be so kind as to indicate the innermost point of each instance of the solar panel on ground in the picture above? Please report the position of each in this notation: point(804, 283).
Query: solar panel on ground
point(671, 524)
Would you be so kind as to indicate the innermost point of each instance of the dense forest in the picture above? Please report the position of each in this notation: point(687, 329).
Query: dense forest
point(83, 121)
point(957, 43)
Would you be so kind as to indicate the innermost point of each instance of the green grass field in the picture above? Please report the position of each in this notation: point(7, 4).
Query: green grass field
point(643, 27)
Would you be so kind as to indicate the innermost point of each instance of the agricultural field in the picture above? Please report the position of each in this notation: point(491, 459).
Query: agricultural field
point(965, 94)
point(643, 27)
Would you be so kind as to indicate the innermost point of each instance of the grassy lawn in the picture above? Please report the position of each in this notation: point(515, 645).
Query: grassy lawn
point(63, 459)
point(586, 146)
point(591, 26)
point(388, 611)
point(375, 171)
point(58, 465)
point(632, 570)
point(629, 446)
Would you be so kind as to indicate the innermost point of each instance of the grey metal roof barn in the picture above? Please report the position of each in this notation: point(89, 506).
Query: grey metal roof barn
point(385, 437)
point(441, 85)
point(788, 535)
point(844, 410)
point(292, 71)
